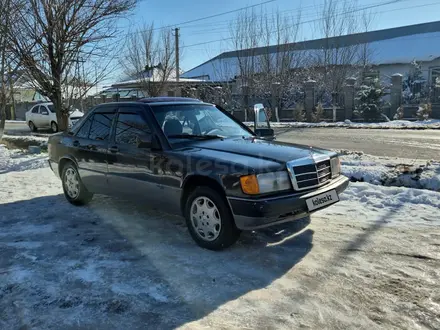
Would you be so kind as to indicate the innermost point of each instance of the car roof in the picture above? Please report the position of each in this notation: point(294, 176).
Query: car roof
point(153, 102)
point(169, 99)
point(42, 103)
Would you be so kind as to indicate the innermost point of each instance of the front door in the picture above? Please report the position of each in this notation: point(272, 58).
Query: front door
point(90, 149)
point(37, 117)
point(133, 172)
point(43, 117)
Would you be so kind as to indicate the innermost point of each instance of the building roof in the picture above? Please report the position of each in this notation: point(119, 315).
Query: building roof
point(153, 75)
point(420, 42)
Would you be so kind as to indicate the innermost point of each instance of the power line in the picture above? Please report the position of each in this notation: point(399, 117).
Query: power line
point(216, 15)
point(305, 22)
point(221, 29)
point(312, 8)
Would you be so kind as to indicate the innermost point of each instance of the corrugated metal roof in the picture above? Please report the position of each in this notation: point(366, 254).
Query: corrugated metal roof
point(420, 42)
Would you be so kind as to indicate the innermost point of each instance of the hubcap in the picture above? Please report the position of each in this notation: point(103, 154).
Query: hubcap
point(54, 127)
point(71, 183)
point(205, 218)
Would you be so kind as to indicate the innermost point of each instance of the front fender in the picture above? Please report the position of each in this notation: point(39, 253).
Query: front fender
point(63, 160)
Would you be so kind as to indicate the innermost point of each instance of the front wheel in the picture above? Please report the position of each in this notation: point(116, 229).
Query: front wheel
point(74, 190)
point(54, 127)
point(32, 127)
point(209, 219)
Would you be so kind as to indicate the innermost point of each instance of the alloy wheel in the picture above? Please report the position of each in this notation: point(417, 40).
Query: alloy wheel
point(71, 183)
point(205, 218)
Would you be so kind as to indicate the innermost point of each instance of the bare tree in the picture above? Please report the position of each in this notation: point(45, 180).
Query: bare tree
point(245, 38)
point(150, 59)
point(366, 52)
point(338, 60)
point(49, 37)
point(267, 54)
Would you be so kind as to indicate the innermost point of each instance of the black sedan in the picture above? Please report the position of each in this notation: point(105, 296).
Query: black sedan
point(194, 159)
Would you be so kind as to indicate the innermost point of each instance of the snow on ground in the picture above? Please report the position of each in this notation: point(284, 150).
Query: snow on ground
point(18, 160)
point(371, 261)
point(394, 124)
point(15, 121)
point(36, 138)
point(390, 171)
point(24, 141)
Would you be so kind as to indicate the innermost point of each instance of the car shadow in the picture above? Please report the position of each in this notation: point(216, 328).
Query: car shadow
point(144, 261)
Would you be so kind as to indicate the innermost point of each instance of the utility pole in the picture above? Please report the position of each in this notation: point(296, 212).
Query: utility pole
point(176, 35)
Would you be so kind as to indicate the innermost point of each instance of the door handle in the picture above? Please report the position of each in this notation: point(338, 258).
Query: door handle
point(76, 143)
point(113, 149)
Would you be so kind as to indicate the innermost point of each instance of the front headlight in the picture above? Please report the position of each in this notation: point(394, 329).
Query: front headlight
point(335, 164)
point(265, 183)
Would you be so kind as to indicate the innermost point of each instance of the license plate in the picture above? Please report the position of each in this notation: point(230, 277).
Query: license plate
point(322, 200)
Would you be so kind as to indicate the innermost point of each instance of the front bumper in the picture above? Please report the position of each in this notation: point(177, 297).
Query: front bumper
point(250, 214)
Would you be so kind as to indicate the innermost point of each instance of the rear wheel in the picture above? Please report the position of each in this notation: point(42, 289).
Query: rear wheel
point(54, 127)
point(32, 127)
point(209, 219)
point(74, 190)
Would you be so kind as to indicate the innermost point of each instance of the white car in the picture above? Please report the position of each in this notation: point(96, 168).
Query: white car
point(43, 116)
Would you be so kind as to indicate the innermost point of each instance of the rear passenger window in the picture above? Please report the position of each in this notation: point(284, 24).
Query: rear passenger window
point(101, 125)
point(35, 110)
point(129, 126)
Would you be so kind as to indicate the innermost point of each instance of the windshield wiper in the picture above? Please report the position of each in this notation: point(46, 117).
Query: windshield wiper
point(196, 136)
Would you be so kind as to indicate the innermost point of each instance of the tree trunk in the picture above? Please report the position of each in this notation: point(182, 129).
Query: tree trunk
point(2, 73)
point(11, 91)
point(62, 114)
point(3, 119)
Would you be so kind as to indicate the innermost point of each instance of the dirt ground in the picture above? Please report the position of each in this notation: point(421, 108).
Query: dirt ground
point(117, 265)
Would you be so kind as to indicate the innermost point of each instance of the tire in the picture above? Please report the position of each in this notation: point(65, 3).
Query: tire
point(219, 236)
point(54, 127)
point(32, 126)
point(82, 195)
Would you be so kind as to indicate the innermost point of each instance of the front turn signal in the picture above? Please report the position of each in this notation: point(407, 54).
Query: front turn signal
point(249, 184)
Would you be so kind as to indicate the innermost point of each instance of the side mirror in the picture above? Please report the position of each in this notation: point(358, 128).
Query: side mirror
point(148, 141)
point(261, 120)
point(265, 133)
point(45, 113)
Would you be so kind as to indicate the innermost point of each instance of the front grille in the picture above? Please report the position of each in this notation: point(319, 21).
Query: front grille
point(306, 176)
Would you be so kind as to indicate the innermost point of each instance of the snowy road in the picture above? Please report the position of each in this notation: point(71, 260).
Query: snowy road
point(371, 261)
point(416, 144)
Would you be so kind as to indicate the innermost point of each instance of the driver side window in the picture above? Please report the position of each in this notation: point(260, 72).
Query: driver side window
point(43, 110)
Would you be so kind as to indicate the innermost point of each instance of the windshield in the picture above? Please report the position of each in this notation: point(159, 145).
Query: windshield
point(51, 108)
point(185, 121)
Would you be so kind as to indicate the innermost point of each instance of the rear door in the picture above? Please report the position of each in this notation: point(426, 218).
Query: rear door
point(90, 148)
point(133, 172)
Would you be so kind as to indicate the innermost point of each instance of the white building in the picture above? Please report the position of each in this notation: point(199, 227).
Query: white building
point(390, 51)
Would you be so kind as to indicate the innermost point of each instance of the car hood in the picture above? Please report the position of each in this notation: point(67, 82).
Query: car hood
point(274, 151)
